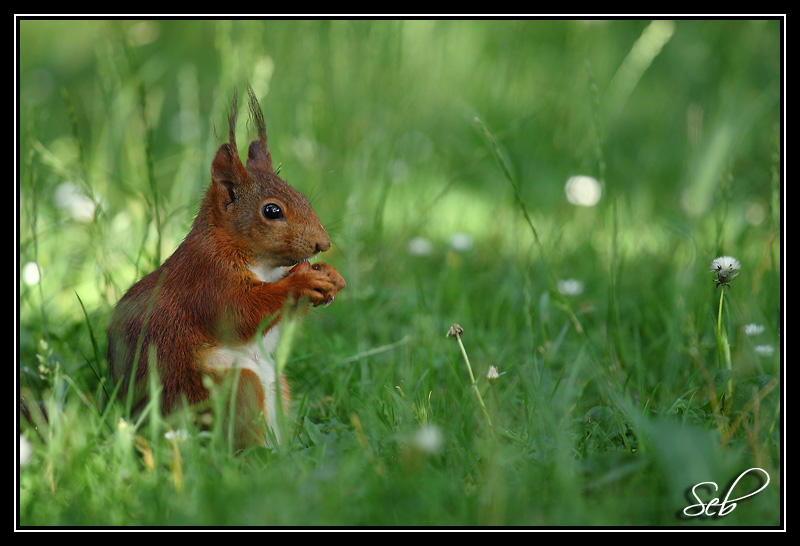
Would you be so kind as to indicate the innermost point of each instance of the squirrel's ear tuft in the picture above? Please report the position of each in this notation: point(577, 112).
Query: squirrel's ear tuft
point(232, 115)
point(227, 173)
point(258, 156)
point(257, 115)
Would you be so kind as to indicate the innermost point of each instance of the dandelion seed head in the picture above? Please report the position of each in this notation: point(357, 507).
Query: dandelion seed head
point(725, 268)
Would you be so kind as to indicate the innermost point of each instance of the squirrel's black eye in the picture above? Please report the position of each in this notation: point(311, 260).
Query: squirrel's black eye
point(272, 211)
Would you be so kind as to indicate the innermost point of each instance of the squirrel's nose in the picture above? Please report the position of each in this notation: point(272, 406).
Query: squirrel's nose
point(323, 245)
point(323, 242)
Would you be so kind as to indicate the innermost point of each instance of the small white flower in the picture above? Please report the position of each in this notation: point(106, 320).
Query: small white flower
point(493, 375)
point(25, 450)
point(753, 329)
point(68, 197)
point(30, 273)
point(461, 242)
point(570, 287)
point(176, 435)
point(725, 267)
point(419, 246)
point(428, 439)
point(583, 191)
point(763, 350)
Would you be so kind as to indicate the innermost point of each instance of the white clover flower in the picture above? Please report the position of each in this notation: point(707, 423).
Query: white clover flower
point(419, 246)
point(725, 267)
point(764, 350)
point(583, 191)
point(753, 329)
point(71, 199)
point(30, 273)
point(461, 242)
point(176, 435)
point(25, 450)
point(428, 439)
point(570, 287)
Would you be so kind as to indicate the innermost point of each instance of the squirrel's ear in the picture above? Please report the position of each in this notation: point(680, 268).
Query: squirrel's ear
point(258, 157)
point(227, 173)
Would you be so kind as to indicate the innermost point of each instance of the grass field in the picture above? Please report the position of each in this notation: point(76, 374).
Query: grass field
point(437, 155)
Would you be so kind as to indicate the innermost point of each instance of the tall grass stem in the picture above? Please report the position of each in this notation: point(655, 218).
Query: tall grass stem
point(456, 331)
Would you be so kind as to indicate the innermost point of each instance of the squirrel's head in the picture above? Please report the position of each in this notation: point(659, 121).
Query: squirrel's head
point(254, 209)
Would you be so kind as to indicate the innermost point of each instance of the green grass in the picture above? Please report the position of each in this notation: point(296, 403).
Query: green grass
point(605, 412)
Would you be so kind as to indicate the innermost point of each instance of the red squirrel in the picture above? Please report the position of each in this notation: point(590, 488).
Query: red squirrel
point(244, 260)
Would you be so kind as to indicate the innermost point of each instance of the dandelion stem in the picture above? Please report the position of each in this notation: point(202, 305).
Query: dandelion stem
point(723, 353)
point(455, 331)
point(725, 268)
point(719, 327)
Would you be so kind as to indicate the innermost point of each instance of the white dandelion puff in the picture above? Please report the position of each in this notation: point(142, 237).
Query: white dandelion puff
point(726, 269)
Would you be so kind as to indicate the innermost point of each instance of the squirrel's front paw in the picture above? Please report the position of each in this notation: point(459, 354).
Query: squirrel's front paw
point(319, 282)
point(334, 277)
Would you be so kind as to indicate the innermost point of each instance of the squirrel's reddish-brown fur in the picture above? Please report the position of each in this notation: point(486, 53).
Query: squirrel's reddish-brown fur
point(199, 312)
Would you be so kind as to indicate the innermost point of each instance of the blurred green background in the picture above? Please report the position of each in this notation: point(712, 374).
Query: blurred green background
point(375, 120)
point(674, 125)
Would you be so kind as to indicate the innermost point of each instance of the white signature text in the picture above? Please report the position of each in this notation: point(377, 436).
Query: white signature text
point(727, 505)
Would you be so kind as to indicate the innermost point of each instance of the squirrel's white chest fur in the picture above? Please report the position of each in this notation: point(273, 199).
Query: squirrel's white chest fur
point(257, 354)
point(265, 273)
point(257, 357)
